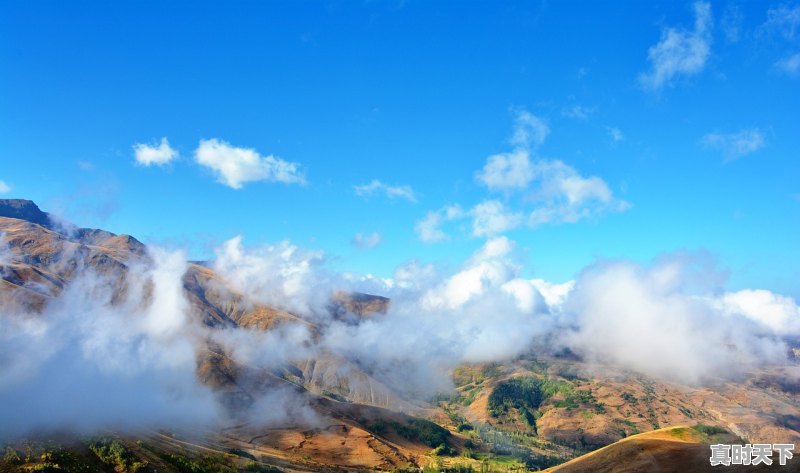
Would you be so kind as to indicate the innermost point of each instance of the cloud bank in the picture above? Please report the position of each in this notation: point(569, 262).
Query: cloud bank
point(101, 358)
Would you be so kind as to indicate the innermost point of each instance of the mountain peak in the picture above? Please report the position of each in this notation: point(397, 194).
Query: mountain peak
point(25, 210)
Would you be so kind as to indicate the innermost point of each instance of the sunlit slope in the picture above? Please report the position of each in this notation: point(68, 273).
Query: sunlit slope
point(668, 450)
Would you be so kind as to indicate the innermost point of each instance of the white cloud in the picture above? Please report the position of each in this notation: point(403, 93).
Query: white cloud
point(554, 294)
point(507, 171)
point(4, 188)
point(491, 218)
point(578, 112)
point(563, 195)
point(375, 186)
point(429, 228)
point(736, 145)
point(645, 319)
point(779, 313)
point(783, 20)
point(365, 242)
point(236, 166)
point(790, 65)
point(615, 134)
point(559, 193)
point(680, 52)
point(148, 155)
point(282, 275)
point(512, 170)
point(489, 267)
point(529, 130)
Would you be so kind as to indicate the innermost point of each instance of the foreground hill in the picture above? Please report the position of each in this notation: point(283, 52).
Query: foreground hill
point(669, 450)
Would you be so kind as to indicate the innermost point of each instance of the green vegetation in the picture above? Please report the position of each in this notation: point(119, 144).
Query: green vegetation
point(334, 396)
point(538, 366)
point(526, 395)
point(522, 393)
point(475, 375)
point(424, 431)
point(212, 464)
point(469, 398)
point(113, 453)
point(710, 429)
point(11, 457)
point(51, 457)
point(241, 453)
point(450, 469)
point(377, 427)
point(629, 398)
point(39, 457)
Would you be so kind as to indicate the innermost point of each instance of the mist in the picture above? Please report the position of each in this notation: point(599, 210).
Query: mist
point(86, 363)
point(111, 353)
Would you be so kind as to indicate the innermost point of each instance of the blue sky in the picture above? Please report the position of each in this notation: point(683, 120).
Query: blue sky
point(581, 130)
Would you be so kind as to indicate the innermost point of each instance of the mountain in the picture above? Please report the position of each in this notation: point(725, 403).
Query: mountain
point(535, 411)
point(24, 210)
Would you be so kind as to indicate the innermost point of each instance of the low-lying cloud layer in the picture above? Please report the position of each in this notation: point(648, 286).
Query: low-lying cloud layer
point(87, 363)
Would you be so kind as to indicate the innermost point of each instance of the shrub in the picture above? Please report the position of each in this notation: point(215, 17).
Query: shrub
point(11, 457)
point(421, 430)
point(710, 429)
point(113, 453)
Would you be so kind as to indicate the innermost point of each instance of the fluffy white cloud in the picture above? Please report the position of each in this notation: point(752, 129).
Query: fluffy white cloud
point(365, 242)
point(557, 192)
point(429, 228)
point(645, 318)
point(680, 52)
point(491, 217)
point(779, 313)
point(236, 166)
point(489, 267)
point(790, 65)
point(736, 145)
point(375, 186)
point(554, 294)
point(148, 155)
point(507, 171)
point(4, 188)
point(282, 275)
point(563, 195)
